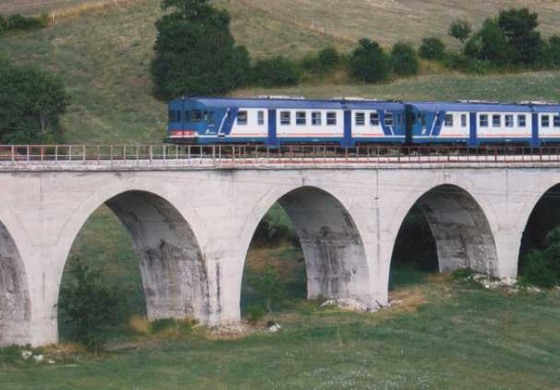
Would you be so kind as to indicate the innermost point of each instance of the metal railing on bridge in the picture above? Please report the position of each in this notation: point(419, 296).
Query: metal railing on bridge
point(261, 154)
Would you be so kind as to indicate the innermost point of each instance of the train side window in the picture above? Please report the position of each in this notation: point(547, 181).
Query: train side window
point(556, 120)
point(496, 120)
point(301, 118)
point(463, 120)
point(389, 119)
point(316, 118)
point(331, 118)
point(285, 118)
point(196, 115)
point(187, 115)
point(360, 118)
point(483, 120)
point(509, 120)
point(521, 121)
point(374, 119)
point(260, 118)
point(242, 118)
point(448, 120)
point(545, 121)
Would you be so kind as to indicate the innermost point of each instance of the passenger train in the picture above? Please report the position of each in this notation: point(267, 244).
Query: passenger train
point(277, 120)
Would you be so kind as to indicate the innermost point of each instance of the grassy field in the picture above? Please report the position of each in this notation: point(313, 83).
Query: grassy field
point(440, 335)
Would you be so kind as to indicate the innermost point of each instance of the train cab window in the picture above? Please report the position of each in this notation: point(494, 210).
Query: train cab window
point(301, 118)
point(389, 119)
point(360, 119)
point(331, 118)
point(374, 119)
point(260, 118)
point(509, 120)
point(316, 118)
point(521, 121)
point(463, 120)
point(545, 121)
point(483, 120)
point(174, 116)
point(242, 118)
point(448, 121)
point(209, 116)
point(196, 116)
point(496, 120)
point(556, 120)
point(285, 118)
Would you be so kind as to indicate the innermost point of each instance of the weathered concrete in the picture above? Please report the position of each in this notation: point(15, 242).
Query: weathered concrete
point(192, 227)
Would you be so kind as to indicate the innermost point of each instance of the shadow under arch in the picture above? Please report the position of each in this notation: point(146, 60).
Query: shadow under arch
point(14, 297)
point(172, 267)
point(333, 250)
point(543, 218)
point(460, 229)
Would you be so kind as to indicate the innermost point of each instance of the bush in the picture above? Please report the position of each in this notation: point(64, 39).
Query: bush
point(255, 313)
point(325, 61)
point(368, 62)
point(276, 72)
point(3, 25)
point(553, 51)
point(89, 306)
point(432, 49)
point(460, 29)
point(537, 270)
point(404, 60)
point(18, 22)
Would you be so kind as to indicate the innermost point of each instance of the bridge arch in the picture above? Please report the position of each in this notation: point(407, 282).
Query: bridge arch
point(15, 308)
point(460, 228)
point(174, 276)
point(333, 250)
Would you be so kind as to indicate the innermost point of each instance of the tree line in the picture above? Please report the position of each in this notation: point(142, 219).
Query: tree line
point(195, 53)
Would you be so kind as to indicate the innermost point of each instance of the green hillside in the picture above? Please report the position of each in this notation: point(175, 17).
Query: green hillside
point(104, 55)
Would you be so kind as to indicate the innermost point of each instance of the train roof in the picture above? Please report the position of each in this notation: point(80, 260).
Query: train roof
point(279, 102)
point(479, 106)
point(287, 102)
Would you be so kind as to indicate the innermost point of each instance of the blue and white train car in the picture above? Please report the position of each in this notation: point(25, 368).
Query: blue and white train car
point(347, 122)
point(279, 120)
point(481, 123)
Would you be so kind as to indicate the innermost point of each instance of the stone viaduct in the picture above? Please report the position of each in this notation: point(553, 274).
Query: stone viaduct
point(192, 224)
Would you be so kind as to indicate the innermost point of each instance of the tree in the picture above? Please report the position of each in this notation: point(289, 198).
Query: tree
point(519, 27)
point(460, 29)
point(89, 306)
point(32, 102)
point(404, 60)
point(432, 49)
point(268, 284)
point(195, 53)
point(489, 44)
point(368, 62)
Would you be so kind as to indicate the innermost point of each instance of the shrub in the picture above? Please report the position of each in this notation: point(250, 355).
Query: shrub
point(18, 22)
point(537, 270)
point(553, 51)
point(368, 62)
point(404, 60)
point(255, 313)
point(3, 25)
point(89, 306)
point(171, 327)
point(460, 29)
point(276, 72)
point(432, 49)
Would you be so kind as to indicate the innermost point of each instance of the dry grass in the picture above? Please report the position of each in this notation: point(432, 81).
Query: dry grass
point(388, 21)
point(139, 324)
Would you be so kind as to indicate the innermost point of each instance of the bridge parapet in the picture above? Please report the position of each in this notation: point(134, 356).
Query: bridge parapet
point(179, 157)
